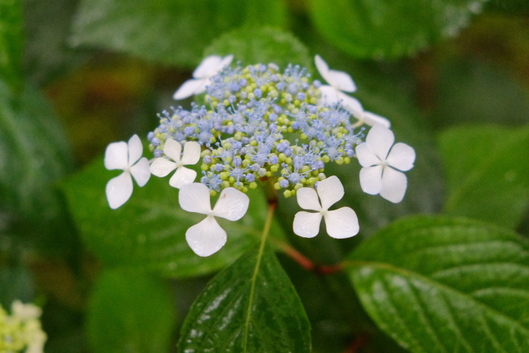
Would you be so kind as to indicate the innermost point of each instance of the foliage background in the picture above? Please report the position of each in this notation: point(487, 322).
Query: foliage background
point(453, 79)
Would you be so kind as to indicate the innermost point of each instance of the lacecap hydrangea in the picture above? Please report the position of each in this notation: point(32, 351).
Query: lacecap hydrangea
point(263, 125)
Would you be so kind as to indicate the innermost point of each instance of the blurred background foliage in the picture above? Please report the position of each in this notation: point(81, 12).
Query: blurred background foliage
point(76, 75)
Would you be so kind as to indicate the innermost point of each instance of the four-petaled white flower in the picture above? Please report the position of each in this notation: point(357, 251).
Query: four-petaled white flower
point(161, 166)
point(383, 164)
point(207, 237)
point(127, 157)
point(340, 223)
point(208, 68)
point(338, 82)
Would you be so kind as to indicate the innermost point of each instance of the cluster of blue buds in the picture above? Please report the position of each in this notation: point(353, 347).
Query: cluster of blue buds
point(259, 124)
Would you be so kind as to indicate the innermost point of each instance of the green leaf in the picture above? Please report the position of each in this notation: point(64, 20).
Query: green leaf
point(11, 42)
point(16, 282)
point(167, 31)
point(446, 285)
point(47, 25)
point(489, 180)
point(386, 28)
point(262, 45)
point(251, 306)
point(148, 232)
point(130, 313)
point(34, 155)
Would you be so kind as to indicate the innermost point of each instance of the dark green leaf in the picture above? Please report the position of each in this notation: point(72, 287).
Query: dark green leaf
point(46, 54)
point(11, 42)
point(166, 31)
point(385, 28)
point(446, 285)
point(16, 283)
point(262, 45)
point(489, 180)
point(130, 313)
point(149, 230)
point(251, 306)
point(34, 155)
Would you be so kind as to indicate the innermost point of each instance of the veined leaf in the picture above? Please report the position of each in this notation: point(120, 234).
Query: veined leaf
point(251, 306)
point(167, 31)
point(130, 313)
point(489, 181)
point(446, 285)
point(386, 28)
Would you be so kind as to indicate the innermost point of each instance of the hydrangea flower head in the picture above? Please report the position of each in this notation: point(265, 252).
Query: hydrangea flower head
point(263, 125)
point(21, 330)
point(384, 163)
point(127, 157)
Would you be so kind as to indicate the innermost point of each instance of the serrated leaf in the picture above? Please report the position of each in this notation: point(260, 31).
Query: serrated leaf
point(262, 45)
point(11, 42)
point(34, 155)
point(148, 232)
point(489, 180)
point(166, 31)
point(446, 285)
point(130, 313)
point(385, 28)
point(251, 306)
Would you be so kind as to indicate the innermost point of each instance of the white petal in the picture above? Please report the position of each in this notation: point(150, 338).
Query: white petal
point(206, 237)
point(141, 172)
point(371, 179)
point(380, 139)
point(195, 198)
point(308, 199)
point(329, 94)
point(307, 224)
point(183, 176)
point(338, 79)
point(342, 223)
point(366, 156)
point(135, 149)
point(189, 88)
point(401, 157)
point(208, 67)
point(161, 167)
point(119, 189)
point(226, 61)
point(352, 105)
point(394, 184)
point(372, 119)
point(330, 191)
point(173, 149)
point(191, 153)
point(232, 204)
point(116, 156)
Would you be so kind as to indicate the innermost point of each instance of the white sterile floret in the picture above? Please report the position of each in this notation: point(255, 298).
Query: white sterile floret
point(208, 68)
point(207, 237)
point(127, 157)
point(383, 164)
point(340, 223)
point(372, 119)
point(338, 82)
point(161, 166)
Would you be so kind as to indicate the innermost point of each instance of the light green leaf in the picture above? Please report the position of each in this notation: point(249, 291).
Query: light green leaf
point(148, 232)
point(130, 313)
point(489, 180)
point(446, 285)
point(386, 28)
point(34, 155)
point(251, 306)
point(166, 31)
point(11, 42)
point(262, 45)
